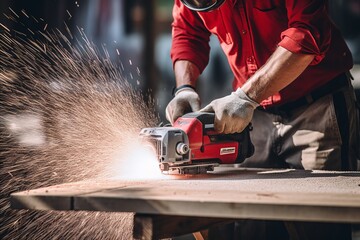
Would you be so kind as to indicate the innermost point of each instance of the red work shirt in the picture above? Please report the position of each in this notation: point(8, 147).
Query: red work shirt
point(250, 31)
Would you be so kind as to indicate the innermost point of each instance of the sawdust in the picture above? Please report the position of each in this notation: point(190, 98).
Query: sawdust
point(65, 111)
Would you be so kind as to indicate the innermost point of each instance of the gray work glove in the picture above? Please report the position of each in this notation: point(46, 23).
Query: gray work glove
point(232, 113)
point(186, 100)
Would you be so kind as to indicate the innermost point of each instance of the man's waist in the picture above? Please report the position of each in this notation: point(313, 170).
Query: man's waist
point(334, 85)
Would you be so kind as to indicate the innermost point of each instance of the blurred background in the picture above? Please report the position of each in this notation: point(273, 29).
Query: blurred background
point(137, 34)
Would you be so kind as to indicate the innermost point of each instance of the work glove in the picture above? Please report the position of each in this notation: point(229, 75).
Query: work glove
point(232, 113)
point(186, 100)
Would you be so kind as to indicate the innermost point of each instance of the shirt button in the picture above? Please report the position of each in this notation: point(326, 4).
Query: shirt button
point(244, 31)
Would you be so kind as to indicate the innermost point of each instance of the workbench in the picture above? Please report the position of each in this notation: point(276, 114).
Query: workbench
point(195, 202)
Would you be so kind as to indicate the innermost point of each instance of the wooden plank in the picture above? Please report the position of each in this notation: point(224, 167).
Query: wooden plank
point(59, 197)
point(255, 207)
point(230, 193)
point(28, 201)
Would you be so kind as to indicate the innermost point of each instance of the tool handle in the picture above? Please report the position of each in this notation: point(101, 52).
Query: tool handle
point(246, 148)
point(205, 118)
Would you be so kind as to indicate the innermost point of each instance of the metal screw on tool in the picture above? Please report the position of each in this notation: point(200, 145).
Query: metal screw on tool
point(182, 148)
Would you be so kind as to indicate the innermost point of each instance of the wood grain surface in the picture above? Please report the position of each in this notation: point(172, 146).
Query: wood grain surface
point(226, 193)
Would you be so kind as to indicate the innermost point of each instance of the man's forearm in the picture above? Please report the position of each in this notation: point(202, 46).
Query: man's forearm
point(186, 73)
point(282, 68)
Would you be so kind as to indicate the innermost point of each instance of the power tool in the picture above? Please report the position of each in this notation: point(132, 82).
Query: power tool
point(191, 145)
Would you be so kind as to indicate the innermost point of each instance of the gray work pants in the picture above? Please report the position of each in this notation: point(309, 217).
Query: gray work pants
point(320, 135)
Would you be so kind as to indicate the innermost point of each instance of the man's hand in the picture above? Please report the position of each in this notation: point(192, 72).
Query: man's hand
point(232, 113)
point(186, 100)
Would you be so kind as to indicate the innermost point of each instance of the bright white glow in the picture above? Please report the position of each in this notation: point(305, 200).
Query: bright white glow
point(135, 161)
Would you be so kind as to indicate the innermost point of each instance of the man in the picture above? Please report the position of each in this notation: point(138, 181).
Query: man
point(290, 65)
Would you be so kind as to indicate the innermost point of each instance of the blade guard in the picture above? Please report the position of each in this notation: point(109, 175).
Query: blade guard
point(165, 142)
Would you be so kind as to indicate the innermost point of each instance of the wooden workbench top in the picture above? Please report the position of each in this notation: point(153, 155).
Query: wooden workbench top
point(225, 193)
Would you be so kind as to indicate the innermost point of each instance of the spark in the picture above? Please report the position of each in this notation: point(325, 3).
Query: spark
point(138, 71)
point(25, 14)
point(69, 14)
point(68, 30)
point(13, 12)
point(20, 33)
point(67, 114)
point(31, 31)
point(2, 25)
point(34, 19)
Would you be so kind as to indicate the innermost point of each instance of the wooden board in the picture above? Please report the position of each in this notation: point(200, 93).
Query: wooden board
point(226, 193)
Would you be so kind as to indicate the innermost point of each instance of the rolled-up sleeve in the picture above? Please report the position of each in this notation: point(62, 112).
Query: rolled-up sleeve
point(190, 38)
point(309, 31)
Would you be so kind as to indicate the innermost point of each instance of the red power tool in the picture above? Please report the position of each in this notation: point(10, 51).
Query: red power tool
point(191, 146)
